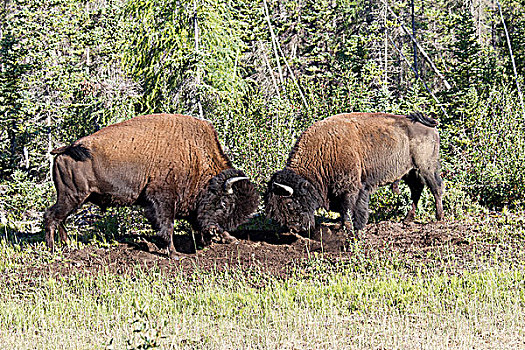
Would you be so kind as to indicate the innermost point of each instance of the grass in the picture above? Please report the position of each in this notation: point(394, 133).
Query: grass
point(367, 302)
point(345, 310)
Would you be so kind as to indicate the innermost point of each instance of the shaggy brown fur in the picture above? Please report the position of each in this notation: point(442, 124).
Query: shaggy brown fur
point(173, 165)
point(346, 157)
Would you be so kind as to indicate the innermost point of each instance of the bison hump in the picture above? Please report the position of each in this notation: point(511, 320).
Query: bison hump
point(78, 152)
point(423, 119)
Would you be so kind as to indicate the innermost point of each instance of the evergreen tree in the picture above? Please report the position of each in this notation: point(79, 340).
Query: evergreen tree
point(465, 57)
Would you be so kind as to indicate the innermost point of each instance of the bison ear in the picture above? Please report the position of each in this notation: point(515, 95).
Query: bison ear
point(305, 186)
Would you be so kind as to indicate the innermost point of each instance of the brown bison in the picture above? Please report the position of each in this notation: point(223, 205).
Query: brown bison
point(338, 162)
point(172, 165)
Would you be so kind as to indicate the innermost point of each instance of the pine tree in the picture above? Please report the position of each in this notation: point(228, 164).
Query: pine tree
point(465, 55)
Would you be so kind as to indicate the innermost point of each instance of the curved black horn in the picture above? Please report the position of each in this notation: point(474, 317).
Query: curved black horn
point(288, 189)
point(229, 183)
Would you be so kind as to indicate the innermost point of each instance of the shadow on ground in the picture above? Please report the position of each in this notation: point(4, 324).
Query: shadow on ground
point(278, 253)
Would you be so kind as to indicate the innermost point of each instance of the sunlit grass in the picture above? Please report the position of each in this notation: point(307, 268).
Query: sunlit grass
point(365, 302)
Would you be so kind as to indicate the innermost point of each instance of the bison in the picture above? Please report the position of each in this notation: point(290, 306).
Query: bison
point(338, 162)
point(171, 165)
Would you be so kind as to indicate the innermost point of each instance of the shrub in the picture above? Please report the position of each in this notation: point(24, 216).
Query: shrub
point(489, 151)
point(22, 201)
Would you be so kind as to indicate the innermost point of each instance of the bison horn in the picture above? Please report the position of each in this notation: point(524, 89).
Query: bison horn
point(288, 189)
point(229, 183)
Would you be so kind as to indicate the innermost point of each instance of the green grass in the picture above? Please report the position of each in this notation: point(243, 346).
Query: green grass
point(345, 310)
point(377, 301)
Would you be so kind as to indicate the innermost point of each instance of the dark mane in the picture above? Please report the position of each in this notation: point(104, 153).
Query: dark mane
point(423, 119)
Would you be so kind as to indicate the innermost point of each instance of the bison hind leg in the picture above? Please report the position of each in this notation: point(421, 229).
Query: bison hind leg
point(51, 221)
point(416, 185)
point(63, 233)
point(54, 218)
point(435, 183)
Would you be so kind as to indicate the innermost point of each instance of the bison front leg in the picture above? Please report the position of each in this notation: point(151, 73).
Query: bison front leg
point(360, 217)
point(161, 215)
point(354, 214)
point(347, 210)
point(166, 232)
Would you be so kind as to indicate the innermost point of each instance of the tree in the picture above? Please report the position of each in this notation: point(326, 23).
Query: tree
point(183, 53)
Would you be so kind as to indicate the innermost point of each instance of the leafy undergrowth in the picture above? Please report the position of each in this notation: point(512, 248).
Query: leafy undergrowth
point(436, 285)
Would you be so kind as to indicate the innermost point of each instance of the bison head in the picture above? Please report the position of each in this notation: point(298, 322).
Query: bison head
point(292, 200)
point(228, 201)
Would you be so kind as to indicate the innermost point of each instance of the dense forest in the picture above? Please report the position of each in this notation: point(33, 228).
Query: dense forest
point(262, 72)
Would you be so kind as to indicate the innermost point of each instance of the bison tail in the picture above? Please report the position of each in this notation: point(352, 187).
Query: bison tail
point(423, 119)
point(78, 152)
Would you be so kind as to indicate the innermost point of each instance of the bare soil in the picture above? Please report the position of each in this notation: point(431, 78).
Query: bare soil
point(441, 243)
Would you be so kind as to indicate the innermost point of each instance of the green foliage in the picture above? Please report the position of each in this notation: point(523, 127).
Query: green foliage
point(386, 205)
point(515, 22)
point(262, 72)
point(12, 69)
point(22, 202)
point(184, 54)
point(495, 153)
point(465, 54)
point(65, 73)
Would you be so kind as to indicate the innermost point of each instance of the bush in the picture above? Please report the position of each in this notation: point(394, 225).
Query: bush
point(22, 201)
point(489, 151)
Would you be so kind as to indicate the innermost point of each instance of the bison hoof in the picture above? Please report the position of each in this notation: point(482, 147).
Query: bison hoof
point(225, 238)
point(171, 251)
point(409, 218)
point(348, 226)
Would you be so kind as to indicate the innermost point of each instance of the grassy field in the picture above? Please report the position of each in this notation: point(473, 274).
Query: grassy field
point(362, 301)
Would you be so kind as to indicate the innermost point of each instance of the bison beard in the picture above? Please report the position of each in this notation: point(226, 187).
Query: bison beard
point(129, 164)
point(338, 162)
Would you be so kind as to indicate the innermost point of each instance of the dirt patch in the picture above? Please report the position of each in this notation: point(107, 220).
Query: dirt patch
point(280, 254)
